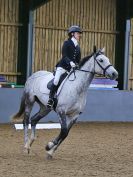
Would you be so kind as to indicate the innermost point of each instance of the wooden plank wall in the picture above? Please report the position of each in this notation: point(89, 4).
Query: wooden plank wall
point(130, 85)
point(9, 38)
point(97, 18)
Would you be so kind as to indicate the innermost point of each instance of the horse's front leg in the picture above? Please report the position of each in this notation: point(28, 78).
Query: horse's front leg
point(66, 124)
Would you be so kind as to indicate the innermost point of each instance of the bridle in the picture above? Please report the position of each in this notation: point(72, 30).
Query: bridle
point(92, 72)
point(95, 60)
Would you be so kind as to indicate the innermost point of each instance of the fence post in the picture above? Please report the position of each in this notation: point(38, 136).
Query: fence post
point(30, 44)
point(126, 55)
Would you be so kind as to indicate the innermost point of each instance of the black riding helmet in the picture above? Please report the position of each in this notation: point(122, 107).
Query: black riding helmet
point(73, 29)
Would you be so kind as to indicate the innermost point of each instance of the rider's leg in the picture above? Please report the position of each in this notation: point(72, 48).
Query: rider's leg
point(51, 96)
point(53, 90)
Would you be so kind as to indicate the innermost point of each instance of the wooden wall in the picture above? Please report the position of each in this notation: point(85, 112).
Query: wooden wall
point(9, 38)
point(130, 86)
point(97, 18)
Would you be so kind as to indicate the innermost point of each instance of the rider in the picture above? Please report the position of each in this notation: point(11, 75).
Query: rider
point(71, 56)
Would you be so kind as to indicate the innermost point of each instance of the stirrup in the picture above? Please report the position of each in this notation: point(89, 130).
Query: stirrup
point(50, 103)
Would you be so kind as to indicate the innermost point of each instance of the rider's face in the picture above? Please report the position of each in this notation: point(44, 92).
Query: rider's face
point(77, 35)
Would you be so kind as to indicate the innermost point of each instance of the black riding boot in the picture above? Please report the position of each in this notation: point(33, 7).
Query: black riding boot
point(51, 96)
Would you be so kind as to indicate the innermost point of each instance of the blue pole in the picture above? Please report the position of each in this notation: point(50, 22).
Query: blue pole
point(126, 57)
point(30, 44)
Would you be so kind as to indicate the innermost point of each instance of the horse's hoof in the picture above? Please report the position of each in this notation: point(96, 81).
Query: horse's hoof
point(49, 146)
point(49, 157)
point(27, 151)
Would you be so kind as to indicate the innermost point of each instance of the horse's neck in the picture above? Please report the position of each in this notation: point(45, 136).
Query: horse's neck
point(84, 78)
point(89, 65)
point(89, 68)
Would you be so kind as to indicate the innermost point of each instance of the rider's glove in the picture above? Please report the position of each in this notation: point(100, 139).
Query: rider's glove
point(72, 64)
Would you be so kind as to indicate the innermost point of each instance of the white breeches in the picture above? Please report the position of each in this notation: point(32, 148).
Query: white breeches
point(58, 73)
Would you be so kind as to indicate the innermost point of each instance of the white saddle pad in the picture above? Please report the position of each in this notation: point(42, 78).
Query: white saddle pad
point(43, 84)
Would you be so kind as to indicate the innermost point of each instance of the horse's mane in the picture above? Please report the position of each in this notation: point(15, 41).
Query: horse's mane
point(84, 60)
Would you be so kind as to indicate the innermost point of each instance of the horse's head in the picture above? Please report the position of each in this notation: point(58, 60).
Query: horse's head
point(103, 66)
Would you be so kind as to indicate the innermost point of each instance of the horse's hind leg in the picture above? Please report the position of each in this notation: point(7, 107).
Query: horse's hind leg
point(35, 119)
point(28, 107)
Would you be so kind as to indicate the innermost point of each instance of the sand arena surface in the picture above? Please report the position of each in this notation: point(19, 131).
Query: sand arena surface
point(90, 150)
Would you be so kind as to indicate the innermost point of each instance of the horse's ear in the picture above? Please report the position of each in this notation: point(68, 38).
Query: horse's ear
point(103, 50)
point(94, 49)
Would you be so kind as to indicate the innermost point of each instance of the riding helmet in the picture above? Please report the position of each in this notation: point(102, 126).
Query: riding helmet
point(73, 29)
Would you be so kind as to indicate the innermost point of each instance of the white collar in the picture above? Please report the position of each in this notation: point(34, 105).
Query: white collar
point(74, 41)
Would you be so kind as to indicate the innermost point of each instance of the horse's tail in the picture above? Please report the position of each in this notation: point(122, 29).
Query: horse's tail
point(18, 117)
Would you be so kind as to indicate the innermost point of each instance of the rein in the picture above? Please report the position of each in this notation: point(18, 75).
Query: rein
point(86, 71)
point(93, 73)
point(82, 70)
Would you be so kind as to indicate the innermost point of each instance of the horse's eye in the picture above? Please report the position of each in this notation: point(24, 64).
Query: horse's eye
point(101, 60)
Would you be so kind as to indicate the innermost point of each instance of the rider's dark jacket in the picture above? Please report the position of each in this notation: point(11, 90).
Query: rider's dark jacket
point(69, 53)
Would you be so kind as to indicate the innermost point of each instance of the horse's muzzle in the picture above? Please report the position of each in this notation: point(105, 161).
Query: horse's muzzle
point(114, 75)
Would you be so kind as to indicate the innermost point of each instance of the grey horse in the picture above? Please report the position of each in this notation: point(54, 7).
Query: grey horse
point(71, 96)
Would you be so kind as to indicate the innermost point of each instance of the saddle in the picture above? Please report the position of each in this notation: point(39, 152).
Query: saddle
point(63, 76)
